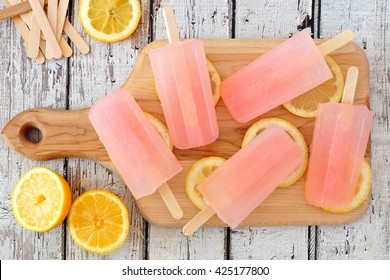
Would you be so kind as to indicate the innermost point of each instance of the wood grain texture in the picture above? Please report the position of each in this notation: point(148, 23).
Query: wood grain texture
point(368, 237)
point(196, 19)
point(269, 19)
point(23, 85)
point(92, 76)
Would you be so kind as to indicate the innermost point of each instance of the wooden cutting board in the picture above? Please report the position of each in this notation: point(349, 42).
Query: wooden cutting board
point(70, 134)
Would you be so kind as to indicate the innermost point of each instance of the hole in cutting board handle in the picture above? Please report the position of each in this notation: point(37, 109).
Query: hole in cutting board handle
point(31, 134)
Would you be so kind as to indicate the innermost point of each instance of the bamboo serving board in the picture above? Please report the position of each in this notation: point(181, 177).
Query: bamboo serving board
point(70, 134)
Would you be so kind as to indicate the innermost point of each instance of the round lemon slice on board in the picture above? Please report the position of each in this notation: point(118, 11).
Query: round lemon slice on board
point(295, 134)
point(41, 199)
point(98, 221)
point(110, 20)
point(161, 129)
point(306, 104)
point(198, 172)
point(362, 190)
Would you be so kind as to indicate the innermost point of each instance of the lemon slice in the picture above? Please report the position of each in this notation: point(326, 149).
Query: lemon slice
point(198, 172)
point(362, 190)
point(161, 129)
point(215, 80)
point(295, 134)
point(98, 222)
point(41, 199)
point(306, 104)
point(110, 20)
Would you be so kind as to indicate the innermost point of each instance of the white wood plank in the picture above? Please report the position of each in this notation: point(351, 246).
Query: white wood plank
point(24, 85)
point(268, 19)
point(92, 76)
point(368, 237)
point(195, 19)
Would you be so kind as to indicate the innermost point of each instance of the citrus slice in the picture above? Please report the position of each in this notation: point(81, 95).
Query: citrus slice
point(110, 20)
point(362, 190)
point(98, 221)
point(198, 172)
point(295, 134)
point(306, 104)
point(215, 80)
point(161, 129)
point(41, 199)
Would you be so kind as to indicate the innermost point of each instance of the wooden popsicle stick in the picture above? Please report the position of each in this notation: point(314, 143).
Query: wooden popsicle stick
point(170, 24)
point(52, 44)
point(336, 42)
point(350, 85)
point(197, 221)
point(61, 15)
point(25, 33)
point(15, 10)
point(27, 16)
point(65, 48)
point(52, 10)
point(35, 36)
point(77, 40)
point(170, 201)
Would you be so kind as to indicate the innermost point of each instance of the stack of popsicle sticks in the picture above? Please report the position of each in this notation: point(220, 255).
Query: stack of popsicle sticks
point(41, 31)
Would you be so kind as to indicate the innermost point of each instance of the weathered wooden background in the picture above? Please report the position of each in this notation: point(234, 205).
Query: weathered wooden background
point(80, 80)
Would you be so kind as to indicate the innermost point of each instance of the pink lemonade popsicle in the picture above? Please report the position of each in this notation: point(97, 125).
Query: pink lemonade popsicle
point(288, 70)
point(239, 185)
point(142, 158)
point(340, 138)
point(183, 84)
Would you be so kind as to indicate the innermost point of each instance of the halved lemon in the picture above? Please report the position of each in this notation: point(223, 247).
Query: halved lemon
point(98, 221)
point(198, 172)
point(110, 20)
point(215, 80)
point(362, 190)
point(41, 199)
point(306, 104)
point(161, 129)
point(295, 134)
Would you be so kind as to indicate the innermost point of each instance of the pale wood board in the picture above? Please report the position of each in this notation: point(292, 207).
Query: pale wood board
point(285, 206)
point(253, 20)
point(368, 237)
point(24, 84)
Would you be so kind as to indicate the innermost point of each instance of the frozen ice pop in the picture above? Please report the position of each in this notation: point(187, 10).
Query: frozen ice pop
point(239, 185)
point(288, 70)
point(142, 158)
point(340, 137)
point(183, 84)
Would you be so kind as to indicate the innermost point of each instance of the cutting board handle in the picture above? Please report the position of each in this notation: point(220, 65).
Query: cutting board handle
point(61, 134)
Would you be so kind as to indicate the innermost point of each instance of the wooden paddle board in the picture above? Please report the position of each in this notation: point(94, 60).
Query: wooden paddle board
point(70, 134)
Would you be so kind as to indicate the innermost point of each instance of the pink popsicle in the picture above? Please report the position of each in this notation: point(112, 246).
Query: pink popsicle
point(288, 70)
point(139, 153)
point(237, 187)
point(339, 143)
point(183, 84)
